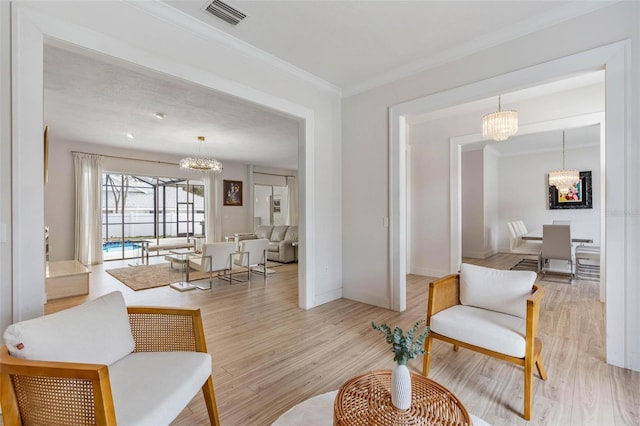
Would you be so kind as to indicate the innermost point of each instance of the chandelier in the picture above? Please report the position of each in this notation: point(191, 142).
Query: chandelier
point(565, 178)
point(499, 125)
point(201, 162)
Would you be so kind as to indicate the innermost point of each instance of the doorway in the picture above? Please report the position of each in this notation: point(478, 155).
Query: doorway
point(611, 58)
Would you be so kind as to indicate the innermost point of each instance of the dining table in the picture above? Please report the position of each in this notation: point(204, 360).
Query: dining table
point(575, 238)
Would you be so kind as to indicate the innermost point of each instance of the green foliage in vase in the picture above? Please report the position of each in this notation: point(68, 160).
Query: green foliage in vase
point(404, 347)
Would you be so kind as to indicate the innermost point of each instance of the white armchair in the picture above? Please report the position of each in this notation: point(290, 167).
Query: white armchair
point(215, 257)
point(492, 312)
point(103, 363)
point(253, 256)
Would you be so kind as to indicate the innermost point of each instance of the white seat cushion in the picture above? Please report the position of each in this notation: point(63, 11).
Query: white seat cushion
point(495, 289)
point(96, 332)
point(152, 388)
point(491, 330)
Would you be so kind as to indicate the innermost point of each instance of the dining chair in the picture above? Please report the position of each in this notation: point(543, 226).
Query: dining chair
point(530, 251)
point(556, 245)
point(587, 262)
point(521, 227)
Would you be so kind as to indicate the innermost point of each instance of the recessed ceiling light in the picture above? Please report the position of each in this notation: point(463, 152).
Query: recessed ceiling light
point(130, 135)
point(159, 115)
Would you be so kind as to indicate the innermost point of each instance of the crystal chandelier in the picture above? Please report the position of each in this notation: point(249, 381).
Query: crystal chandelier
point(500, 125)
point(565, 178)
point(201, 162)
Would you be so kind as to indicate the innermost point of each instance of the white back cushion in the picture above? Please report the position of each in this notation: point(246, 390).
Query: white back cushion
point(96, 332)
point(496, 290)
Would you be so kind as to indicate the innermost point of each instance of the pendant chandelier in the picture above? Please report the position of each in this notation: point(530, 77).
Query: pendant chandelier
point(500, 125)
point(201, 162)
point(565, 178)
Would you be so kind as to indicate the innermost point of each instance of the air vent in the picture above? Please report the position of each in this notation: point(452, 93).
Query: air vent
point(225, 12)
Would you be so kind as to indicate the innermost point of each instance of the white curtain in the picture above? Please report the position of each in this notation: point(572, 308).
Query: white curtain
point(292, 192)
point(88, 172)
point(213, 207)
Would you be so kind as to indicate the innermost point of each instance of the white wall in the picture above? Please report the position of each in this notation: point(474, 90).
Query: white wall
point(142, 34)
point(59, 192)
point(514, 188)
point(473, 204)
point(523, 195)
point(479, 193)
point(366, 181)
point(430, 152)
point(6, 296)
point(491, 201)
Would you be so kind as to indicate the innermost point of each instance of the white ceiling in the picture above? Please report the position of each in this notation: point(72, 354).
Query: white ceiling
point(358, 44)
point(350, 44)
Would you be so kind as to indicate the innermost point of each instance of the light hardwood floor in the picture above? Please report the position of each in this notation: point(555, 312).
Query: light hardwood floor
point(268, 355)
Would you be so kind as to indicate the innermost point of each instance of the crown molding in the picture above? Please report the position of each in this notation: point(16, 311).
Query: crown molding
point(504, 35)
point(185, 21)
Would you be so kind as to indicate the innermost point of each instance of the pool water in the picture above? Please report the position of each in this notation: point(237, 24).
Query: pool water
point(116, 246)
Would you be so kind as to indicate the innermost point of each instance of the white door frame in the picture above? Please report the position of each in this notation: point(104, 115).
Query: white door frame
point(30, 29)
point(615, 59)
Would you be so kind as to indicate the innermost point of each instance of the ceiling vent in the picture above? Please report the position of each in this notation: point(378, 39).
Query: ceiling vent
point(225, 12)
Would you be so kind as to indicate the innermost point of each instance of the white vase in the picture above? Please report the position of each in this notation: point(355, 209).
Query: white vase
point(401, 387)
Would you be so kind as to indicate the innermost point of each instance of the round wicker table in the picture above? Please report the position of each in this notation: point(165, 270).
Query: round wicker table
point(366, 400)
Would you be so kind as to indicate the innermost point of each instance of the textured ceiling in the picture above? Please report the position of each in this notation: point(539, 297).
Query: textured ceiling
point(99, 100)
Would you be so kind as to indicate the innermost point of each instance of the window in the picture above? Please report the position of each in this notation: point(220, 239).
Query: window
point(142, 207)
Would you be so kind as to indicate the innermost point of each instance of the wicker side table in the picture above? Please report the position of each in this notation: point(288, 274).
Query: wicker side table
point(366, 400)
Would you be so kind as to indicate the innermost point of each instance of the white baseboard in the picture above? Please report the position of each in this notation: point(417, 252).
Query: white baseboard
point(329, 296)
point(479, 254)
point(428, 272)
point(366, 297)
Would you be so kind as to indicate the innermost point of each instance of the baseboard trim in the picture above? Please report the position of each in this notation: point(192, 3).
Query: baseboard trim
point(366, 297)
point(428, 272)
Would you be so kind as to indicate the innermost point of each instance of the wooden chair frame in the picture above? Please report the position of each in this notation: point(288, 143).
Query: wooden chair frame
point(445, 293)
point(88, 385)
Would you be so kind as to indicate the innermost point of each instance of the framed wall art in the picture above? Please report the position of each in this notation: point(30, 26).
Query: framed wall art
point(578, 197)
point(232, 192)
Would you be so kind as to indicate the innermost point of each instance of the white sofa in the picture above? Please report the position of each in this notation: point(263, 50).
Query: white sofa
point(106, 364)
point(281, 239)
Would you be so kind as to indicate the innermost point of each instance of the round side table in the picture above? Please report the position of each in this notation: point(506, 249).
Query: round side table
point(366, 400)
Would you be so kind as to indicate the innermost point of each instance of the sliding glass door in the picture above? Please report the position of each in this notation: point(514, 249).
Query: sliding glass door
point(137, 208)
point(271, 205)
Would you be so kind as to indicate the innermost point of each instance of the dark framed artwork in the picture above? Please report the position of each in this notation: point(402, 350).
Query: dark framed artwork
point(232, 190)
point(578, 197)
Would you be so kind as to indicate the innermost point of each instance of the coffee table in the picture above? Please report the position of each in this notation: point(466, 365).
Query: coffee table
point(180, 256)
point(366, 400)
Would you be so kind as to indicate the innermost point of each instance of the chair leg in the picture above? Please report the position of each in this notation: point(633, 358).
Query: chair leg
point(210, 400)
point(201, 287)
point(426, 358)
point(541, 371)
point(528, 388)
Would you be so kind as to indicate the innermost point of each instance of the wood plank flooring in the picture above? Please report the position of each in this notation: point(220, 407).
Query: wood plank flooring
point(268, 355)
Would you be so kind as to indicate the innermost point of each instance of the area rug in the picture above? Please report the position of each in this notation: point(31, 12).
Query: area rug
point(318, 411)
point(149, 276)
